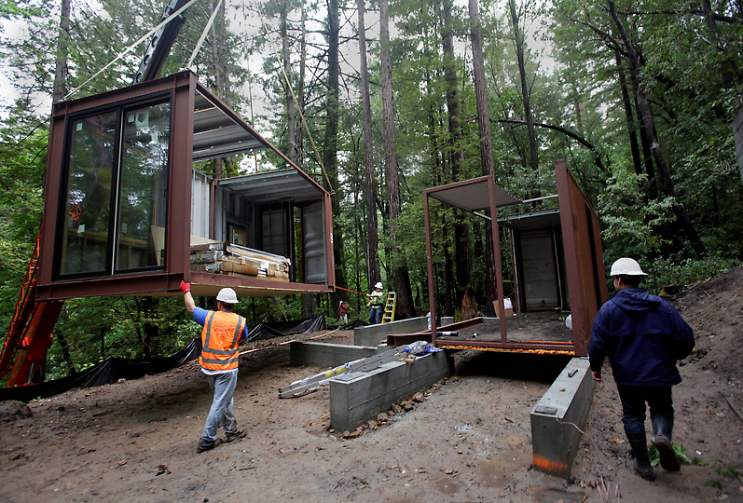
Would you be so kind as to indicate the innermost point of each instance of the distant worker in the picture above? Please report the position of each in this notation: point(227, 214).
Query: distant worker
point(376, 301)
point(644, 337)
point(343, 313)
point(223, 331)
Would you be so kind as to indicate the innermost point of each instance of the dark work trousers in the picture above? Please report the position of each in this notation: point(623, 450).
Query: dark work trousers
point(634, 398)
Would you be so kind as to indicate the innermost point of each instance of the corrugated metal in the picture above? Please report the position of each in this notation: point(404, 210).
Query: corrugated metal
point(284, 185)
point(314, 244)
point(471, 195)
point(215, 134)
point(200, 205)
point(539, 270)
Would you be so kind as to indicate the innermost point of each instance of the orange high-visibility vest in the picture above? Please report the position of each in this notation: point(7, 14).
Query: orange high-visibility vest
point(219, 340)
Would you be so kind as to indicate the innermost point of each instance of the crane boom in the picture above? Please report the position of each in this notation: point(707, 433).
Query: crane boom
point(160, 44)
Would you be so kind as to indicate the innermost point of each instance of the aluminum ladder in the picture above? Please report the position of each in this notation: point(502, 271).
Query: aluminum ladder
point(389, 308)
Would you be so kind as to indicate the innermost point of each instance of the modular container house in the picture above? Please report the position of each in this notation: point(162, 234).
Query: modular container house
point(126, 213)
point(557, 271)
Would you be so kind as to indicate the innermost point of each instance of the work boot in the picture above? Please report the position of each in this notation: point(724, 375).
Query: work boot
point(234, 435)
point(642, 460)
point(663, 427)
point(207, 446)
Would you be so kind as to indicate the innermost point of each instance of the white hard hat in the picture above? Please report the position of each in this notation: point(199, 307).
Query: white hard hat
point(378, 285)
point(626, 266)
point(227, 295)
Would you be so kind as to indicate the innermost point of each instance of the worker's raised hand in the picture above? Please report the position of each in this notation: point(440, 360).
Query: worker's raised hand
point(185, 287)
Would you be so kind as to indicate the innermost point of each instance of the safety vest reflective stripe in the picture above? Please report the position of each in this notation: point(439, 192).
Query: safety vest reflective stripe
point(377, 300)
point(220, 338)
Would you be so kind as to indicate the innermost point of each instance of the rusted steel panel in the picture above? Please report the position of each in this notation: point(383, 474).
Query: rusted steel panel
point(496, 250)
point(512, 346)
point(583, 256)
point(329, 255)
point(402, 339)
point(178, 240)
point(429, 260)
point(51, 199)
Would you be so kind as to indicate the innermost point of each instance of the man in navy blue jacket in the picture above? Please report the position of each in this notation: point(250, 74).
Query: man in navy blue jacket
point(644, 337)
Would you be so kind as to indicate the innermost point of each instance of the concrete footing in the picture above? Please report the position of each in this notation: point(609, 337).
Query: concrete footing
point(373, 335)
point(321, 354)
point(558, 415)
point(358, 397)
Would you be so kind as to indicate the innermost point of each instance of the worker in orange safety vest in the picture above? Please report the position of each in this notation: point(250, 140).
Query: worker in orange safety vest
point(223, 331)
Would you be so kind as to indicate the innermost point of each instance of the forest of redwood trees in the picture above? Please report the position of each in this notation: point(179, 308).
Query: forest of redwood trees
point(391, 98)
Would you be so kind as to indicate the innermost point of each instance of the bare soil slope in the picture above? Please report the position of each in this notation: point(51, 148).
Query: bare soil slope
point(466, 439)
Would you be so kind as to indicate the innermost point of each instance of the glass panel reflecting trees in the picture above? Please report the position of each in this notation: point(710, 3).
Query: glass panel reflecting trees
point(144, 181)
point(116, 193)
point(85, 235)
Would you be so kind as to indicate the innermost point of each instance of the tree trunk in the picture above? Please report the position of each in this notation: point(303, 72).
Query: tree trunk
point(486, 146)
point(330, 142)
point(629, 116)
point(405, 305)
point(60, 74)
point(289, 108)
point(66, 353)
point(372, 260)
point(664, 174)
point(461, 230)
point(525, 93)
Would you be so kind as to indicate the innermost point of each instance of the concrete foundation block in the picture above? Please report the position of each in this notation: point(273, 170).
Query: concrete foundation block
point(376, 334)
point(558, 415)
point(358, 397)
point(321, 354)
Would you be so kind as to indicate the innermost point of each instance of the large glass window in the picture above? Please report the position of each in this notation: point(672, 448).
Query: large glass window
point(116, 191)
point(144, 181)
point(85, 235)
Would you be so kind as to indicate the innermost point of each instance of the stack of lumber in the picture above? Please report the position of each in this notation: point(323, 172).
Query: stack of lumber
point(235, 260)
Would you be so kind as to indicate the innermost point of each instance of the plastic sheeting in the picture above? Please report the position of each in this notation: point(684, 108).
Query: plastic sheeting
point(112, 369)
point(264, 331)
point(108, 371)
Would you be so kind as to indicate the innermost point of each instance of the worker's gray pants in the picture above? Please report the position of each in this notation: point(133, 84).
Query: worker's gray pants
point(223, 386)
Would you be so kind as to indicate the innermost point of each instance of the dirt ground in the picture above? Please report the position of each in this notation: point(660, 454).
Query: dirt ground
point(466, 439)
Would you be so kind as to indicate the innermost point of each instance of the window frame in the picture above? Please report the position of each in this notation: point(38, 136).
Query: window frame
point(120, 109)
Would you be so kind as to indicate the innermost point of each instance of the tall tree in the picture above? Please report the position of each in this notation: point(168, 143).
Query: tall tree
point(666, 184)
point(405, 303)
point(486, 142)
point(372, 245)
point(330, 140)
point(520, 43)
point(461, 230)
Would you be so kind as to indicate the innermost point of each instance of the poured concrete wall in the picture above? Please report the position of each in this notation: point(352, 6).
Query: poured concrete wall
point(558, 415)
point(373, 335)
point(321, 354)
point(358, 397)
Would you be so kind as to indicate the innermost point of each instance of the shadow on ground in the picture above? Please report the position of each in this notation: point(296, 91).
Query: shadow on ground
point(520, 366)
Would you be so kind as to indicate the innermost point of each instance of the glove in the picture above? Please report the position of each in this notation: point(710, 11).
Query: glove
point(185, 287)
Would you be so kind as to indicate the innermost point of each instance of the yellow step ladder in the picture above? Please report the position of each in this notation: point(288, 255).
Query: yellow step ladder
point(389, 308)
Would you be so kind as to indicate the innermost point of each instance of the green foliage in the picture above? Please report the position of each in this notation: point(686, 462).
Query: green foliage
point(629, 222)
point(667, 271)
